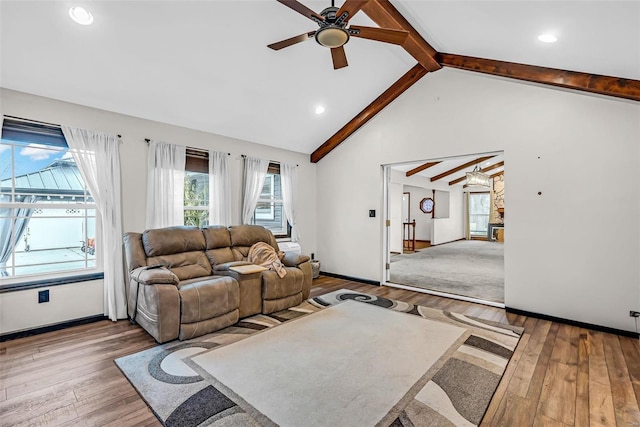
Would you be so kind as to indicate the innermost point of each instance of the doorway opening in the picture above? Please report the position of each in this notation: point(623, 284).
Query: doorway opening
point(456, 248)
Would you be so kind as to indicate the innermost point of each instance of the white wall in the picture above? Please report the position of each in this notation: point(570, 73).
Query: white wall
point(20, 310)
point(450, 228)
point(443, 199)
point(550, 137)
point(133, 156)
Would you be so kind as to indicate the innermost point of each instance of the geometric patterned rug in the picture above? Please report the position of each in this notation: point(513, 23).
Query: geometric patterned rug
point(457, 394)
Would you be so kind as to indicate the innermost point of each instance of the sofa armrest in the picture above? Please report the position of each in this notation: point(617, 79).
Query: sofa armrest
point(154, 276)
point(155, 307)
point(225, 266)
point(294, 260)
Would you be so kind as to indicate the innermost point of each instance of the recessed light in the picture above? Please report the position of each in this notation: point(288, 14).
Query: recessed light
point(547, 38)
point(81, 15)
point(320, 109)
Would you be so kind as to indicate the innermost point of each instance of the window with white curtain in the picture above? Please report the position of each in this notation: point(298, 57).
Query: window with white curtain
point(196, 188)
point(47, 216)
point(269, 211)
point(478, 211)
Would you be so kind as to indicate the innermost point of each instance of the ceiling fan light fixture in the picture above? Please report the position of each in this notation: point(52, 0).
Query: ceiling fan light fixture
point(332, 36)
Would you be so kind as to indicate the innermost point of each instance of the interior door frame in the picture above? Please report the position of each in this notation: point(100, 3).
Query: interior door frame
point(385, 273)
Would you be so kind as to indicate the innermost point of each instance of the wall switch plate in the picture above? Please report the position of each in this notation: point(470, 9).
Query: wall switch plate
point(43, 296)
point(372, 213)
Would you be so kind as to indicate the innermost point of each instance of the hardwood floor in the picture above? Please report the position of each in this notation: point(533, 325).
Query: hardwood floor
point(560, 375)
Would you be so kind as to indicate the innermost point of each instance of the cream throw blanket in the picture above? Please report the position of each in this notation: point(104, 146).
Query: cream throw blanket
point(263, 254)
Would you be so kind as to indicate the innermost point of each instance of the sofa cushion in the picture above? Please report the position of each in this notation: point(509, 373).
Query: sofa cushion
point(248, 235)
point(186, 265)
point(220, 256)
point(194, 280)
point(172, 240)
point(216, 236)
point(208, 298)
point(274, 287)
point(240, 253)
point(134, 250)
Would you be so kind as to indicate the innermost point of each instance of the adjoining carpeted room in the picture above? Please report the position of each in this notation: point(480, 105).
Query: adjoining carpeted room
point(470, 268)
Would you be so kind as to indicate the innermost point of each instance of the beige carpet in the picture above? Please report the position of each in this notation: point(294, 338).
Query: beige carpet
point(366, 368)
point(470, 268)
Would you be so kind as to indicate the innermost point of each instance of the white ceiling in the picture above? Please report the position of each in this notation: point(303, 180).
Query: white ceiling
point(205, 64)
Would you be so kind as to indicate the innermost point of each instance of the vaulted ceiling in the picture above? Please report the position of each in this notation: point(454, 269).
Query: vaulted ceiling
point(205, 64)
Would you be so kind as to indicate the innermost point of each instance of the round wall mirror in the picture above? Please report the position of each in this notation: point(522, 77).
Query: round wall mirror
point(426, 205)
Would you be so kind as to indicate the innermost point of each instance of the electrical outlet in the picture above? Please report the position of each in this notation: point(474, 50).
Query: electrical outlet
point(43, 296)
point(633, 313)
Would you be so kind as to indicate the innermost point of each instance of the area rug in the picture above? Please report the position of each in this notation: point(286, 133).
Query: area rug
point(471, 268)
point(444, 373)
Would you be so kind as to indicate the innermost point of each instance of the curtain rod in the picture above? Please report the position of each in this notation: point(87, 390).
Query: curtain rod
point(147, 140)
point(22, 119)
point(244, 156)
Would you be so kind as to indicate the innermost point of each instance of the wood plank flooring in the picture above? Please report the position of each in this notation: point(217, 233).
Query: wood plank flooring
point(560, 375)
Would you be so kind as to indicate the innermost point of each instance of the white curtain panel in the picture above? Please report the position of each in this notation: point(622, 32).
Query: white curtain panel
point(165, 185)
point(289, 180)
point(219, 189)
point(255, 171)
point(98, 159)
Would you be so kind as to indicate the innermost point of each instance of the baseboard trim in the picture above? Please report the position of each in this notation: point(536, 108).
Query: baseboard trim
point(37, 331)
point(444, 294)
point(353, 279)
point(573, 323)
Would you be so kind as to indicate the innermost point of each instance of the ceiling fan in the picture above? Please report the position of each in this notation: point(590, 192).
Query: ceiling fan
point(333, 32)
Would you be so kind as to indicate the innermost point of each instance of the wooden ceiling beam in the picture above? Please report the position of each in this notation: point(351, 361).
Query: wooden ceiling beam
point(421, 168)
point(594, 83)
point(385, 15)
point(487, 169)
point(461, 167)
point(496, 174)
point(402, 84)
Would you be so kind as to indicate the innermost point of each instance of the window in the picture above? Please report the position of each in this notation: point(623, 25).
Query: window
point(47, 216)
point(479, 207)
point(269, 211)
point(196, 188)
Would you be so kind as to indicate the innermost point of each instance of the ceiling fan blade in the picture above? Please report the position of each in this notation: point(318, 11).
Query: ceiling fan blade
point(351, 7)
point(302, 9)
point(386, 35)
point(339, 57)
point(293, 40)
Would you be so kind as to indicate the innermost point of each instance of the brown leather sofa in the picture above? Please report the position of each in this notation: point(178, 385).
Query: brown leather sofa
point(198, 291)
